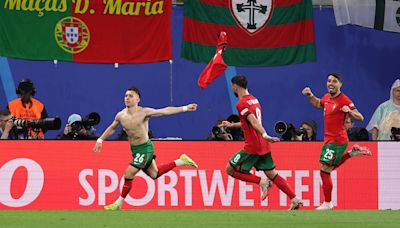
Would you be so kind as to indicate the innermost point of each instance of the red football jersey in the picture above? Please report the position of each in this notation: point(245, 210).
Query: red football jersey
point(334, 117)
point(254, 142)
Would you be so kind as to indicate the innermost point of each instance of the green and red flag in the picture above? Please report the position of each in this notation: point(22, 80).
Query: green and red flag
point(261, 32)
point(107, 31)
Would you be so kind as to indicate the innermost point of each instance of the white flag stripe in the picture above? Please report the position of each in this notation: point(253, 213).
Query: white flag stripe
point(341, 10)
point(356, 12)
point(392, 12)
point(362, 12)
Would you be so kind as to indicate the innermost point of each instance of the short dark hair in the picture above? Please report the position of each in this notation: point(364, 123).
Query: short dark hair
point(233, 118)
point(5, 112)
point(134, 89)
point(240, 80)
point(337, 76)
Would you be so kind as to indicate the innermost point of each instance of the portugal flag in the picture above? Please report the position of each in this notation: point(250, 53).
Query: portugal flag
point(261, 32)
point(106, 31)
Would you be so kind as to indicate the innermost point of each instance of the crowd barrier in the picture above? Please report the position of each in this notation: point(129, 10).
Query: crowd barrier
point(64, 175)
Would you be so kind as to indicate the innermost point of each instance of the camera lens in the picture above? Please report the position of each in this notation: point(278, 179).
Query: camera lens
point(300, 131)
point(76, 126)
point(280, 127)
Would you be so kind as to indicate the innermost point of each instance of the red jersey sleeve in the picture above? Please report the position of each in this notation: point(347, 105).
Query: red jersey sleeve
point(243, 109)
point(348, 102)
point(323, 100)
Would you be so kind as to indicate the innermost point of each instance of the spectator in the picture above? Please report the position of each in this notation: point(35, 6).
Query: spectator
point(355, 133)
point(310, 126)
point(28, 108)
point(7, 127)
point(75, 130)
point(386, 116)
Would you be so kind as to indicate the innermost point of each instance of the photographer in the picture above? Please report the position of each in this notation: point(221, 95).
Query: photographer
point(7, 128)
point(220, 132)
point(289, 133)
point(28, 108)
point(78, 129)
point(310, 126)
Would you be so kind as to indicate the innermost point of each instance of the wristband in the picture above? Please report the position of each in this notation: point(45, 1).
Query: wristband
point(99, 140)
point(185, 108)
point(265, 135)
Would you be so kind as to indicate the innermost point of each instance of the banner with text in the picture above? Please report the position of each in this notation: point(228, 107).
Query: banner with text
point(108, 31)
point(54, 175)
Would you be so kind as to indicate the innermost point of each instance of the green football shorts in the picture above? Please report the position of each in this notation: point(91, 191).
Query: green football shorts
point(331, 154)
point(142, 155)
point(243, 162)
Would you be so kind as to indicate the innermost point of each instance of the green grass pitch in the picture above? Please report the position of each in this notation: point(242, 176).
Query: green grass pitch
point(199, 218)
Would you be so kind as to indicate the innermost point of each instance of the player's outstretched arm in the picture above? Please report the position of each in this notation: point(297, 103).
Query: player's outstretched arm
point(314, 101)
point(170, 110)
point(107, 133)
point(260, 129)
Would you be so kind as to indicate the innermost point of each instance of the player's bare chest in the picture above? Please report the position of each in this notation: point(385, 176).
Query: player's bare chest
point(134, 118)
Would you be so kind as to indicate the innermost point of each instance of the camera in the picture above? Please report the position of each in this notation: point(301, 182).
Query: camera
point(288, 131)
point(219, 130)
point(395, 133)
point(90, 120)
point(47, 123)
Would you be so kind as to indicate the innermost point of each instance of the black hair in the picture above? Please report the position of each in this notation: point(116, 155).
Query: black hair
point(5, 112)
point(233, 118)
point(240, 80)
point(26, 85)
point(134, 89)
point(337, 76)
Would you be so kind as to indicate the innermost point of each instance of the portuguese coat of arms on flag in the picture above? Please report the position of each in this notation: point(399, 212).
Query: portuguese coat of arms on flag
point(107, 31)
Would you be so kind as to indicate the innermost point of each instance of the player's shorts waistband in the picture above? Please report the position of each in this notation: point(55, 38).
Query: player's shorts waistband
point(146, 144)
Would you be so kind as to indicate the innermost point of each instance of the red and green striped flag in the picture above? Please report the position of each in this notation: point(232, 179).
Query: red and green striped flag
point(261, 32)
point(101, 31)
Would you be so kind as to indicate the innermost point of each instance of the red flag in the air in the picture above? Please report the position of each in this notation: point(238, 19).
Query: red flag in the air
point(217, 65)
